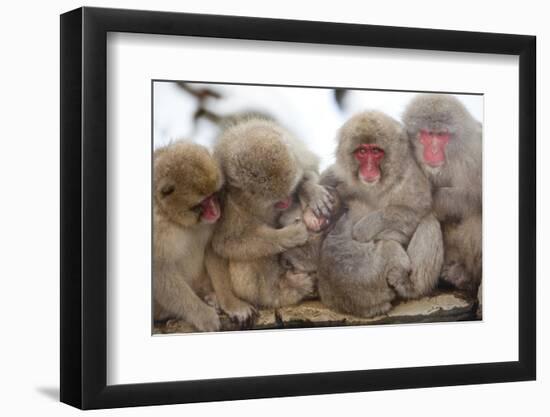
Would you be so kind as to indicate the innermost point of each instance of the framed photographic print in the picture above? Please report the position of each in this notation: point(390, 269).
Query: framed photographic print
point(354, 202)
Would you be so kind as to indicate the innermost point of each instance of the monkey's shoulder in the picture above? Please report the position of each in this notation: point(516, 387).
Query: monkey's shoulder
point(412, 190)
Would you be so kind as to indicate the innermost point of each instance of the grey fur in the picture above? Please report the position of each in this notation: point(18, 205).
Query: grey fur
point(365, 260)
point(456, 185)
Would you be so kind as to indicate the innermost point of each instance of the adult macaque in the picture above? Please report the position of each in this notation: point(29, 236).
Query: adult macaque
point(388, 242)
point(185, 209)
point(447, 145)
point(264, 167)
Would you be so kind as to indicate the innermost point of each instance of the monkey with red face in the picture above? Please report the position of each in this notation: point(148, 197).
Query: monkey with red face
point(447, 145)
point(388, 243)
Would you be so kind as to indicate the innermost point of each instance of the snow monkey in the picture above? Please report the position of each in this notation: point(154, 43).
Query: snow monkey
point(264, 166)
point(185, 209)
point(447, 145)
point(388, 243)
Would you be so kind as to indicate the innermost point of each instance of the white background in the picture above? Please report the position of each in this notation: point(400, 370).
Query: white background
point(29, 213)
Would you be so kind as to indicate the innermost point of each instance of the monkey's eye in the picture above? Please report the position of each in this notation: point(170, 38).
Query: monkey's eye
point(377, 151)
point(197, 209)
point(167, 190)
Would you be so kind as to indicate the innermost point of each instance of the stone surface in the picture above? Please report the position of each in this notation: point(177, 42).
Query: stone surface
point(440, 307)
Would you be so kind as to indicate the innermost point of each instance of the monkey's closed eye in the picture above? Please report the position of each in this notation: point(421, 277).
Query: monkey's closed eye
point(167, 190)
point(197, 209)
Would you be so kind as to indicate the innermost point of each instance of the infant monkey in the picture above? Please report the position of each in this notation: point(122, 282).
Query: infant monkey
point(305, 259)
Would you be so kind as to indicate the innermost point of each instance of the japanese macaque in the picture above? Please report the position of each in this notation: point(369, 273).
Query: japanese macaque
point(388, 243)
point(264, 166)
point(447, 145)
point(185, 209)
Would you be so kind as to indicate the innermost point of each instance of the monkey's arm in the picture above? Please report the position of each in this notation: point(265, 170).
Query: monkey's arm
point(454, 203)
point(313, 195)
point(391, 223)
point(235, 308)
point(260, 242)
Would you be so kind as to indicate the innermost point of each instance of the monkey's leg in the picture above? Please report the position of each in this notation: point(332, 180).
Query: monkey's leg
point(425, 251)
point(177, 298)
point(218, 270)
point(263, 283)
point(462, 267)
point(397, 267)
point(352, 275)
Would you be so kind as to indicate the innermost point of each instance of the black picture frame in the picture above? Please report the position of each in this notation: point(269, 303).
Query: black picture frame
point(84, 207)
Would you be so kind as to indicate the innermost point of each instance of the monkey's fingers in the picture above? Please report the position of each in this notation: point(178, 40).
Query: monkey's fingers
point(323, 207)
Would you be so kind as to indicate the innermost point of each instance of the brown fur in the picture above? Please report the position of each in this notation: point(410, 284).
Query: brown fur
point(184, 174)
point(263, 164)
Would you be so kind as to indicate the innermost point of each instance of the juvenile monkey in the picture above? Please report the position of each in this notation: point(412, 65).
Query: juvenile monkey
point(264, 166)
point(185, 208)
point(447, 145)
point(388, 242)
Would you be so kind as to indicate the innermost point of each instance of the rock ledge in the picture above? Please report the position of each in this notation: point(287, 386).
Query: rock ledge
point(440, 307)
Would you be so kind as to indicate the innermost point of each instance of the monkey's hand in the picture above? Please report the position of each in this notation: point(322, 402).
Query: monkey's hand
point(313, 222)
point(205, 320)
point(368, 227)
point(320, 200)
point(240, 312)
point(293, 235)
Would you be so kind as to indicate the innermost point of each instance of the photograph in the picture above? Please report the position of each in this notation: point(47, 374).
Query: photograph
point(284, 207)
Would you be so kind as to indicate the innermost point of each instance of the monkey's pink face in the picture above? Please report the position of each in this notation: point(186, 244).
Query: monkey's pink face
point(369, 157)
point(188, 210)
point(434, 143)
point(210, 209)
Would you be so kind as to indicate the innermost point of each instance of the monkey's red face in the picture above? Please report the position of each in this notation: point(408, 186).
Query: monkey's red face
point(369, 157)
point(210, 209)
point(434, 144)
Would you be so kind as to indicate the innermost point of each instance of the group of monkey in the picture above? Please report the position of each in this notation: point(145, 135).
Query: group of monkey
point(254, 225)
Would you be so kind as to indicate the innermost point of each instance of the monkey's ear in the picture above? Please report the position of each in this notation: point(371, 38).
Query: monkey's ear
point(167, 189)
